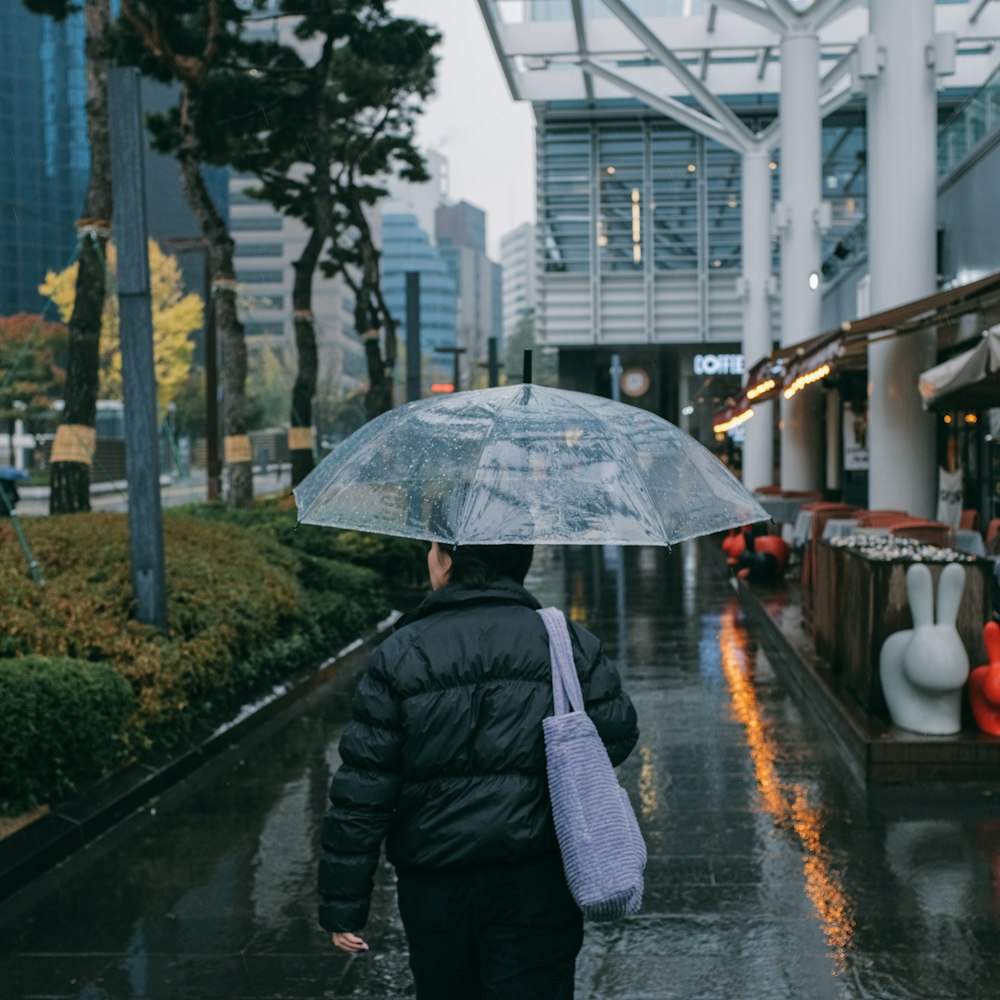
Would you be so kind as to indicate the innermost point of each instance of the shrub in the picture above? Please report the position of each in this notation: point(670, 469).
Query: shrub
point(63, 725)
point(401, 562)
point(251, 601)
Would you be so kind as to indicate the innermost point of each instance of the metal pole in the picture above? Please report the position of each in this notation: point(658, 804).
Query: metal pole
point(616, 377)
point(526, 372)
point(413, 359)
point(138, 375)
point(213, 463)
point(15, 520)
point(492, 363)
point(801, 249)
point(902, 199)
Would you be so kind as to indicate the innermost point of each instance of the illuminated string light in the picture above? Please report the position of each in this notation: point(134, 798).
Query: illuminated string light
point(760, 388)
point(803, 380)
point(736, 421)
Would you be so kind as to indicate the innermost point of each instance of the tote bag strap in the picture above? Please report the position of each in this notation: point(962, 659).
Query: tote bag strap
point(566, 693)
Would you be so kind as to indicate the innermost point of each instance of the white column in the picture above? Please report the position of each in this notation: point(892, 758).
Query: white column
point(802, 433)
point(902, 197)
point(758, 445)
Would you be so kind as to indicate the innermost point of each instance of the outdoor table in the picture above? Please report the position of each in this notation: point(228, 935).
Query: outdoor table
point(967, 540)
point(838, 526)
point(782, 509)
point(861, 601)
point(803, 529)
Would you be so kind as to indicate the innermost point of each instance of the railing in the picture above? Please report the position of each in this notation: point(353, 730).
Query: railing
point(972, 123)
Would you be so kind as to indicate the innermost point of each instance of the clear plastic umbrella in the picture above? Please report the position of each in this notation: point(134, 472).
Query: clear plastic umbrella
point(525, 464)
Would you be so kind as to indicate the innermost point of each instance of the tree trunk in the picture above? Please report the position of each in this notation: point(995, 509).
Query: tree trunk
point(70, 480)
point(219, 245)
point(300, 439)
point(370, 315)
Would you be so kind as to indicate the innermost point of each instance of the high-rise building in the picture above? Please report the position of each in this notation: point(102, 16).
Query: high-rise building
point(461, 238)
point(44, 156)
point(422, 200)
point(406, 248)
point(518, 260)
point(45, 160)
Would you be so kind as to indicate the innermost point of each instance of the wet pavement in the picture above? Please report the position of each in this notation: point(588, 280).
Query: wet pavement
point(771, 874)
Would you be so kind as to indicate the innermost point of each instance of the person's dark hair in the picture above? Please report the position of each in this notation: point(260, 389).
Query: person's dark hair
point(479, 565)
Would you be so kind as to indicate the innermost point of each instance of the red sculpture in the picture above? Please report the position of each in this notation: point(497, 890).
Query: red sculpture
point(734, 545)
point(984, 684)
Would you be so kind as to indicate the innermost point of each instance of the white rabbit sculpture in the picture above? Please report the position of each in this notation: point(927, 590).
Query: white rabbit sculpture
point(924, 669)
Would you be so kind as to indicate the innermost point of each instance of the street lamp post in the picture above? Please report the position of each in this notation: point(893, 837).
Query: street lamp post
point(455, 352)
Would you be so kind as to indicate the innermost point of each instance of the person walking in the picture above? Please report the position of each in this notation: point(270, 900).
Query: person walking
point(444, 759)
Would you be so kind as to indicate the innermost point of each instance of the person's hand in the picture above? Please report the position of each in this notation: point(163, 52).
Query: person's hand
point(350, 943)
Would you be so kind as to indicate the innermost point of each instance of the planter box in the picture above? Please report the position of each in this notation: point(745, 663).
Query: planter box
point(860, 602)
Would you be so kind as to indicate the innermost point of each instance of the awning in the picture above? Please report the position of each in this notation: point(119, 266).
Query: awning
point(970, 381)
point(798, 365)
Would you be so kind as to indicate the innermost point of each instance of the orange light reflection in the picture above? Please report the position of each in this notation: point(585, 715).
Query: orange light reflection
point(649, 797)
point(788, 805)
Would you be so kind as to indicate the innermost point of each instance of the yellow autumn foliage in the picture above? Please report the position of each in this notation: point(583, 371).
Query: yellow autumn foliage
point(175, 317)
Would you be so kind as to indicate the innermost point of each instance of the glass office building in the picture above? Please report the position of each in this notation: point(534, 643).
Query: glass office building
point(44, 156)
point(407, 248)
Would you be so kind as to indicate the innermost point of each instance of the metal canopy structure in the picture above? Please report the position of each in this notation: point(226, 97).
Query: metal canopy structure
point(751, 76)
point(686, 67)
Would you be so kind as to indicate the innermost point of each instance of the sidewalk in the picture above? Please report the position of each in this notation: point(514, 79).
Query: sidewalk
point(772, 874)
point(174, 490)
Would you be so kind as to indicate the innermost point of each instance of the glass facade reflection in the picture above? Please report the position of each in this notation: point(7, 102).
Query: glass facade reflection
point(406, 247)
point(44, 157)
point(639, 194)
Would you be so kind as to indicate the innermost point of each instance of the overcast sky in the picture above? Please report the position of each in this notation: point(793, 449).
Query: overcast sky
point(472, 120)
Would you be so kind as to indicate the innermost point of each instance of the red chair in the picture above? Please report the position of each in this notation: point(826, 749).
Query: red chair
point(929, 532)
point(881, 518)
point(969, 520)
point(776, 546)
point(734, 545)
point(993, 533)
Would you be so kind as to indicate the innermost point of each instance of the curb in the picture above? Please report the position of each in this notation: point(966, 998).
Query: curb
point(42, 844)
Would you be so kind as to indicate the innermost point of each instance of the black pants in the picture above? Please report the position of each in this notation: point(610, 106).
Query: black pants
point(491, 932)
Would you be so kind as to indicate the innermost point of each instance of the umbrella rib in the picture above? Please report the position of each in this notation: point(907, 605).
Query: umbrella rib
point(479, 456)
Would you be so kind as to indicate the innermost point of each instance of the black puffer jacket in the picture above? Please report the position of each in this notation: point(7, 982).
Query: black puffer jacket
point(444, 755)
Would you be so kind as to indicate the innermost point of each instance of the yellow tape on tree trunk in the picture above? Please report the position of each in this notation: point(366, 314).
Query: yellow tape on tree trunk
point(74, 443)
point(300, 438)
point(237, 448)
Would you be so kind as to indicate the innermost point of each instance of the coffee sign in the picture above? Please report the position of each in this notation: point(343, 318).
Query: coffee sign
point(718, 364)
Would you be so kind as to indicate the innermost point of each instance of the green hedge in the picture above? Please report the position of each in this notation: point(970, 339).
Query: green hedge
point(63, 725)
point(251, 601)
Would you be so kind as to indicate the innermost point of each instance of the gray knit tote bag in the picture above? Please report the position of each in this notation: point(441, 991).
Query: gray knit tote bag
point(602, 849)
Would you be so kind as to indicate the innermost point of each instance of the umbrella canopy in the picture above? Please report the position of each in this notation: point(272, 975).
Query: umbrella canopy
point(525, 464)
point(976, 373)
point(10, 473)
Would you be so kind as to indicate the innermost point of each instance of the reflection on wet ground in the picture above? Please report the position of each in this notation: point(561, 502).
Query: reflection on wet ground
point(770, 875)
